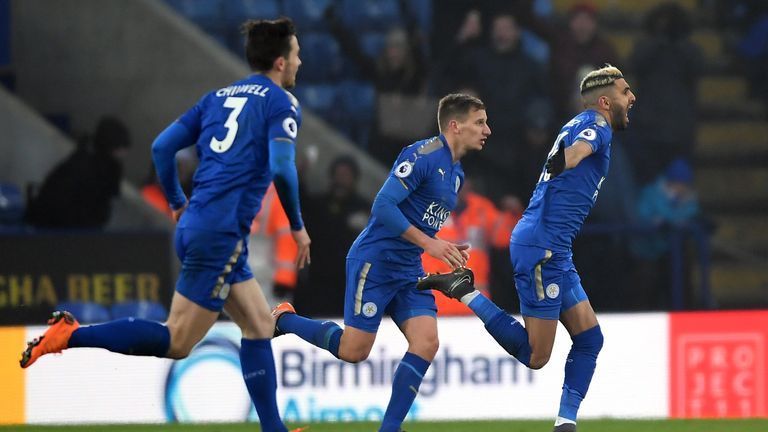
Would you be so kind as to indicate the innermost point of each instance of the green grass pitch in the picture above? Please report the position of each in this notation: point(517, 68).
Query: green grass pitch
point(751, 425)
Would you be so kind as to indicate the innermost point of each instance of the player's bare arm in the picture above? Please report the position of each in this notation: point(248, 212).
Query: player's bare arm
point(450, 253)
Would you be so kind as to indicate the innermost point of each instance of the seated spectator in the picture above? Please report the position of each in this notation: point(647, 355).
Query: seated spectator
point(668, 203)
point(335, 218)
point(78, 192)
point(666, 65)
point(507, 80)
point(399, 72)
point(580, 46)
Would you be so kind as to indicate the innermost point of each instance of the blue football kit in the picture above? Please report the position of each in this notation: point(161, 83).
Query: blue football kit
point(239, 131)
point(382, 267)
point(540, 246)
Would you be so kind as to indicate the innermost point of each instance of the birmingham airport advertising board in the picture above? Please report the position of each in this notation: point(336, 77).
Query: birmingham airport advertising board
point(652, 365)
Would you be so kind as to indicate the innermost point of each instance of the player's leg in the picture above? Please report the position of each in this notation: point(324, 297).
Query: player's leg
point(366, 297)
point(249, 309)
point(579, 319)
point(415, 314)
point(530, 344)
point(187, 323)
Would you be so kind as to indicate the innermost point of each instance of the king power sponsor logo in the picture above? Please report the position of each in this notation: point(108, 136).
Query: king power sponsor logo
point(435, 215)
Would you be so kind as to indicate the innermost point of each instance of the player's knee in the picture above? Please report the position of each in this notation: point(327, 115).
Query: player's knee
point(538, 361)
point(354, 353)
point(354, 356)
point(180, 346)
point(425, 347)
point(589, 341)
point(258, 329)
point(178, 351)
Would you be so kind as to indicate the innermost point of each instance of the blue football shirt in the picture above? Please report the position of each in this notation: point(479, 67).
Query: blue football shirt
point(426, 169)
point(232, 127)
point(559, 205)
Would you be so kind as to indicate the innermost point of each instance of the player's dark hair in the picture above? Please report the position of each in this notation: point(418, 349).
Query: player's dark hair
point(266, 40)
point(456, 106)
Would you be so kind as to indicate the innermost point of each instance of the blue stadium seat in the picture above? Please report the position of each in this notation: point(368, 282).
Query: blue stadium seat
point(321, 57)
point(357, 103)
point(307, 14)
point(370, 14)
point(318, 98)
point(198, 11)
point(237, 11)
point(372, 43)
point(85, 312)
point(357, 99)
point(422, 11)
point(11, 204)
point(140, 309)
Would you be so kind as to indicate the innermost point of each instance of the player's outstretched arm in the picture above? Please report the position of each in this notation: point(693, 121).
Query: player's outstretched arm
point(174, 138)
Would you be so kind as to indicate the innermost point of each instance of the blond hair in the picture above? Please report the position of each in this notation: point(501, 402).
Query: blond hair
point(600, 78)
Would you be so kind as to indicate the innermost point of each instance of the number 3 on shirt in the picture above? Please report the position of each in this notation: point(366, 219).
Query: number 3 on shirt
point(236, 104)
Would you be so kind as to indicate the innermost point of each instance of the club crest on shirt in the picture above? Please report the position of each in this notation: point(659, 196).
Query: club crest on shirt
point(370, 309)
point(404, 169)
point(553, 290)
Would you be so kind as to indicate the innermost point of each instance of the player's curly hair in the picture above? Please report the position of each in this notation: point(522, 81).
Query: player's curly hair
point(266, 40)
point(600, 78)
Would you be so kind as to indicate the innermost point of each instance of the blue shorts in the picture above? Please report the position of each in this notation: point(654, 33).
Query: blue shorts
point(210, 263)
point(547, 283)
point(376, 288)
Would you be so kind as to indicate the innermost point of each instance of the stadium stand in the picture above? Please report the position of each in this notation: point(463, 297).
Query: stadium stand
point(139, 309)
point(86, 312)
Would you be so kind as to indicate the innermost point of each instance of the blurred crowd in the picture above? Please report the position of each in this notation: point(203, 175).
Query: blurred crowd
point(525, 63)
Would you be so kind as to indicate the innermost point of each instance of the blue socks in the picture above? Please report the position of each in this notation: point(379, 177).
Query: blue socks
point(579, 369)
point(258, 365)
point(132, 336)
point(507, 331)
point(405, 386)
point(322, 334)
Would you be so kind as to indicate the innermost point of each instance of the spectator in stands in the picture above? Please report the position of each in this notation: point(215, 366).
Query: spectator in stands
point(78, 193)
point(580, 47)
point(668, 203)
point(753, 49)
point(335, 219)
point(666, 65)
point(502, 278)
point(273, 251)
point(537, 138)
point(151, 191)
point(473, 221)
point(399, 70)
point(507, 79)
point(602, 256)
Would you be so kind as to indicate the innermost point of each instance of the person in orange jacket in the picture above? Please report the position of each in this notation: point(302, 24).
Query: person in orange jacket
point(473, 221)
point(279, 251)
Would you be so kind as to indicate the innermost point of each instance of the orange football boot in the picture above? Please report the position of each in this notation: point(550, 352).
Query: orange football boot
point(277, 312)
point(55, 339)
